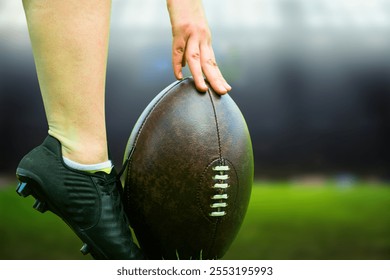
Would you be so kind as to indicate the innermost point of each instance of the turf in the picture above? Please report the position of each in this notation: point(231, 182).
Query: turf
point(284, 221)
point(29, 234)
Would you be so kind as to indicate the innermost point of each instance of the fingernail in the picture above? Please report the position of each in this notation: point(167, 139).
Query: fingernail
point(203, 88)
point(229, 88)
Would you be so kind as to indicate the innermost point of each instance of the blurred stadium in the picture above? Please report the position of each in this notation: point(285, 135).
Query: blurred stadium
point(312, 79)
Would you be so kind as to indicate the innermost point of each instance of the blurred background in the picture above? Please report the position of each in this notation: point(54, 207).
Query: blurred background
point(312, 79)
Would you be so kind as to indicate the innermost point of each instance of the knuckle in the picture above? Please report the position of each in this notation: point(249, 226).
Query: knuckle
point(189, 29)
point(179, 50)
point(195, 55)
point(211, 62)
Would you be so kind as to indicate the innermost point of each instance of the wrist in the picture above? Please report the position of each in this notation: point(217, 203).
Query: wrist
point(186, 11)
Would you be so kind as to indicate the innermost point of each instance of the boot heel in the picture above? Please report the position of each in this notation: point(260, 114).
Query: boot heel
point(40, 206)
point(23, 189)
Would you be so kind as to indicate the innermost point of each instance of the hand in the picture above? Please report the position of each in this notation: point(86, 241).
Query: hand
point(192, 45)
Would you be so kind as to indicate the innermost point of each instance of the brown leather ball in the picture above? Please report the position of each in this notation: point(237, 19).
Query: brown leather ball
point(189, 174)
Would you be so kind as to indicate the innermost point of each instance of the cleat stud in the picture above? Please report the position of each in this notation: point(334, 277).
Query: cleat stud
point(40, 206)
point(85, 249)
point(23, 190)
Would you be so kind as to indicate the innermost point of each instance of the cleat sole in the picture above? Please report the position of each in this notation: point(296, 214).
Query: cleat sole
point(23, 189)
point(40, 206)
point(84, 249)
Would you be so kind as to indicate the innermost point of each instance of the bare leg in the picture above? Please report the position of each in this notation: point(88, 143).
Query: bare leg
point(70, 41)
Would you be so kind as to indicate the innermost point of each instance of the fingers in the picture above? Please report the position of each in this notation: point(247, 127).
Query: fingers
point(192, 44)
point(211, 70)
point(193, 57)
point(183, 51)
point(197, 51)
point(178, 58)
point(201, 61)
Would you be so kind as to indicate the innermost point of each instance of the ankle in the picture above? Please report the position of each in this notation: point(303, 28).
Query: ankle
point(85, 154)
point(88, 151)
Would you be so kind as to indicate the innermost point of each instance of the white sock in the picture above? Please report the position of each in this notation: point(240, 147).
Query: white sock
point(92, 168)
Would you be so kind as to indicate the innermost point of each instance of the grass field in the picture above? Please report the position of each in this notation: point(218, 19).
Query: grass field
point(284, 221)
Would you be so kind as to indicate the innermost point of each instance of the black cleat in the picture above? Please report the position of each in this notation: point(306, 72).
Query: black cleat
point(90, 203)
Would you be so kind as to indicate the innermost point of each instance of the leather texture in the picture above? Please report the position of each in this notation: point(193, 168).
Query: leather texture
point(172, 153)
point(89, 203)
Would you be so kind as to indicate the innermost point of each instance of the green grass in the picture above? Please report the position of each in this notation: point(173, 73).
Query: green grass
point(284, 221)
point(29, 234)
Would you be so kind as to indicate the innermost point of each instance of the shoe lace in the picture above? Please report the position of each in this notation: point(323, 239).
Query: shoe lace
point(112, 185)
